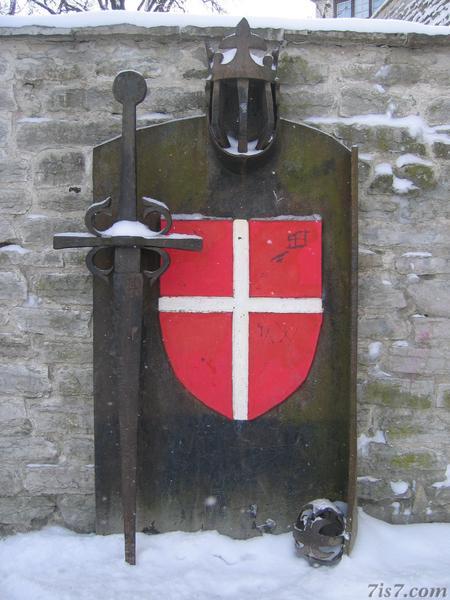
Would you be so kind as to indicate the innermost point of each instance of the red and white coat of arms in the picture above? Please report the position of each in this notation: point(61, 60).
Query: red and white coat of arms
point(241, 319)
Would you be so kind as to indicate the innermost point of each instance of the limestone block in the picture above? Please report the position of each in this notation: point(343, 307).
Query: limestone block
point(298, 70)
point(13, 288)
point(431, 331)
point(422, 264)
point(53, 322)
point(14, 171)
point(14, 201)
point(78, 450)
point(378, 291)
point(4, 131)
point(21, 513)
point(64, 199)
point(77, 511)
point(59, 168)
point(11, 409)
point(417, 361)
point(7, 102)
point(35, 70)
point(367, 259)
point(397, 393)
point(390, 325)
point(7, 233)
point(10, 479)
point(362, 100)
point(73, 381)
point(68, 420)
point(57, 479)
point(16, 255)
point(34, 134)
point(65, 351)
point(296, 103)
point(441, 150)
point(431, 297)
point(63, 288)
point(438, 112)
point(399, 74)
point(31, 381)
point(38, 229)
point(28, 449)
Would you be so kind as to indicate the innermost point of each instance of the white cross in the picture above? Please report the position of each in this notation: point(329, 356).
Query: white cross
point(240, 305)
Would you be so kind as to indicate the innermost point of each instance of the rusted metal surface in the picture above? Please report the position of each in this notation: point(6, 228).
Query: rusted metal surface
point(187, 453)
point(124, 277)
point(243, 86)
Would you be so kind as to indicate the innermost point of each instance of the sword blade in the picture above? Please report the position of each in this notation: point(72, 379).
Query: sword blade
point(127, 315)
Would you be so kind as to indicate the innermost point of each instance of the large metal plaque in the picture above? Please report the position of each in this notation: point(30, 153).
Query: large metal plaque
point(206, 461)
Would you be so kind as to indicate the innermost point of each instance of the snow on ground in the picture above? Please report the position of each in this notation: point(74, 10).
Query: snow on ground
point(116, 17)
point(57, 564)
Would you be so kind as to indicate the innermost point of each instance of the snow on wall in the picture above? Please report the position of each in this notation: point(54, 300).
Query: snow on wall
point(385, 90)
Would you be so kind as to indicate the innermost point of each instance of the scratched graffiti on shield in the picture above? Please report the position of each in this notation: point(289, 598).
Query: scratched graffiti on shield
point(241, 319)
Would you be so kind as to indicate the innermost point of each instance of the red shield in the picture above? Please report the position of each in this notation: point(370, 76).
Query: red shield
point(241, 319)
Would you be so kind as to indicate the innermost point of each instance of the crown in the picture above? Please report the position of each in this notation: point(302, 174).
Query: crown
point(243, 55)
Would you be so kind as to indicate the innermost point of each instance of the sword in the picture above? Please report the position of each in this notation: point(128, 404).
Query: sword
point(130, 239)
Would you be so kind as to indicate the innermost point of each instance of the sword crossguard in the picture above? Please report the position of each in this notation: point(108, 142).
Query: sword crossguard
point(130, 89)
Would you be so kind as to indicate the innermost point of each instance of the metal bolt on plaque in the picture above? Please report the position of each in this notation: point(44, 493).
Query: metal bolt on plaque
point(130, 239)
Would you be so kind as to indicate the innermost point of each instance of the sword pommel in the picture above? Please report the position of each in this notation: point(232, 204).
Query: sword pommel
point(129, 87)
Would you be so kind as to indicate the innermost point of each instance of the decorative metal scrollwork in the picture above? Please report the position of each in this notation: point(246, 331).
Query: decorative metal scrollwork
point(96, 209)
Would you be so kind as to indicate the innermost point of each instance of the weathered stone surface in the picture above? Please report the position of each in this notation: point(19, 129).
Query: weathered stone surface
point(13, 288)
point(78, 511)
point(391, 326)
point(438, 111)
point(65, 351)
point(63, 288)
point(53, 322)
point(298, 70)
point(7, 233)
point(14, 201)
point(59, 479)
point(28, 449)
point(431, 297)
point(421, 175)
point(72, 381)
point(417, 361)
point(301, 103)
point(399, 74)
point(379, 291)
point(361, 100)
point(38, 229)
point(32, 70)
point(57, 168)
point(25, 512)
point(78, 449)
point(441, 150)
point(14, 171)
point(70, 198)
point(63, 420)
point(10, 479)
point(422, 265)
point(56, 133)
point(396, 393)
point(32, 381)
point(4, 131)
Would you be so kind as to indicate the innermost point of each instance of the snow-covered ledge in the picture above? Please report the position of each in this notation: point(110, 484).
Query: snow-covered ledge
point(397, 33)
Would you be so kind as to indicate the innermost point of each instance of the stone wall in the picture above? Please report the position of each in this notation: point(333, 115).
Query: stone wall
point(386, 93)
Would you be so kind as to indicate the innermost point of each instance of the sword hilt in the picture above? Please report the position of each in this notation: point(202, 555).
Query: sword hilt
point(130, 89)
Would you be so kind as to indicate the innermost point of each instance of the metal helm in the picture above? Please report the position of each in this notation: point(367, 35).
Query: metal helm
point(242, 87)
point(319, 532)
